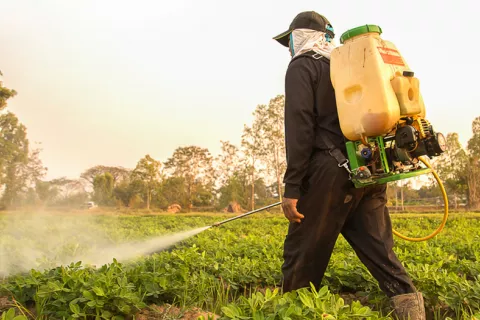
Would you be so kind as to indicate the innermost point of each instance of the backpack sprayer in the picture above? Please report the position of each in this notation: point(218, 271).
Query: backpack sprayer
point(382, 116)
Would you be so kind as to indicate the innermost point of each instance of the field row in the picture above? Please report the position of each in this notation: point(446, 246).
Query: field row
point(232, 271)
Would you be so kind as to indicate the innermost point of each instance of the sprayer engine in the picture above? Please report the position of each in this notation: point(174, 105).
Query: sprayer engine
point(394, 156)
point(417, 138)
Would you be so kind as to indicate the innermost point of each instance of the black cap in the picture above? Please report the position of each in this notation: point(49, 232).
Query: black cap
point(306, 20)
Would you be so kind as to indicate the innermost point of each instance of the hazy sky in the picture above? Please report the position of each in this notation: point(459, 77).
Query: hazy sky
point(107, 82)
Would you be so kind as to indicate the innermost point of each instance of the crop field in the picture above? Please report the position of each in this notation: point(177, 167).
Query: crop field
point(229, 272)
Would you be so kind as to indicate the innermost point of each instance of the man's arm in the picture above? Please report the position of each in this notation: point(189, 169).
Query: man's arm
point(299, 124)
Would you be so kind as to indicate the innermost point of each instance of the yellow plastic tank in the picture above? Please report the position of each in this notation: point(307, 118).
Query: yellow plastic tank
point(374, 87)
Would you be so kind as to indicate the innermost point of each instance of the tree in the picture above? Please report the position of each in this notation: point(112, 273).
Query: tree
point(26, 177)
point(473, 145)
point(20, 168)
point(274, 139)
point(238, 189)
point(13, 156)
point(227, 162)
point(118, 173)
point(228, 166)
point(452, 168)
point(69, 191)
point(473, 182)
point(61, 191)
point(103, 189)
point(148, 172)
point(234, 190)
point(35, 169)
point(195, 165)
point(46, 191)
point(130, 193)
point(429, 192)
point(127, 192)
point(473, 169)
point(253, 147)
point(5, 94)
point(461, 170)
point(262, 193)
point(203, 195)
point(402, 184)
point(13, 142)
point(172, 190)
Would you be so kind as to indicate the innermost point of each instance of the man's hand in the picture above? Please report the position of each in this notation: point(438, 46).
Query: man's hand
point(289, 207)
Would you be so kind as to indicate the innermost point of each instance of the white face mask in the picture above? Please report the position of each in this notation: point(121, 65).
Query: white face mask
point(303, 40)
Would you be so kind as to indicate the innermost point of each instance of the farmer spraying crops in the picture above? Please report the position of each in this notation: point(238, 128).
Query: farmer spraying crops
point(320, 200)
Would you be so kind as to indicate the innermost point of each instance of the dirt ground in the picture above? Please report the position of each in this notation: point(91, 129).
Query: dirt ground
point(153, 312)
point(169, 312)
point(5, 303)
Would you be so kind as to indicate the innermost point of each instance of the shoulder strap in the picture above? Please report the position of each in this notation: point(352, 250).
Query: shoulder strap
point(332, 149)
point(311, 54)
point(336, 153)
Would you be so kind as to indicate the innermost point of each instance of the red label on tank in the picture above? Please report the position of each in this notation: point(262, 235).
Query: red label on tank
point(391, 56)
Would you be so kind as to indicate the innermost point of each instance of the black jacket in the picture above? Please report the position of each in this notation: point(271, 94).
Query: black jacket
point(310, 113)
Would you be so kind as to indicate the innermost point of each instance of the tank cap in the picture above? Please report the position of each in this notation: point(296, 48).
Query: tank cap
point(360, 30)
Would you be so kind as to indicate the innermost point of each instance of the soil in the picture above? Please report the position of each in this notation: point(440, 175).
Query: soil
point(350, 297)
point(168, 312)
point(5, 303)
point(154, 312)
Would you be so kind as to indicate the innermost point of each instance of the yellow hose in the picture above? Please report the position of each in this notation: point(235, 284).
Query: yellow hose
point(445, 215)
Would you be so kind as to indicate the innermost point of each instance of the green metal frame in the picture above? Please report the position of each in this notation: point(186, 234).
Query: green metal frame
point(357, 161)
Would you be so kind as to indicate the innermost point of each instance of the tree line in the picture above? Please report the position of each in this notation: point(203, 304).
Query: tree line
point(459, 168)
point(248, 175)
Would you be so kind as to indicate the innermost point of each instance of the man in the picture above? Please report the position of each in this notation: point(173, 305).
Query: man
point(320, 201)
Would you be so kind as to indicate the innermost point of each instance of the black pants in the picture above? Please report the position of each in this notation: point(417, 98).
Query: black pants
point(332, 205)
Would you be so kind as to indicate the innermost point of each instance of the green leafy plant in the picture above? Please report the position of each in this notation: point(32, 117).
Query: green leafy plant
point(11, 315)
point(235, 271)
